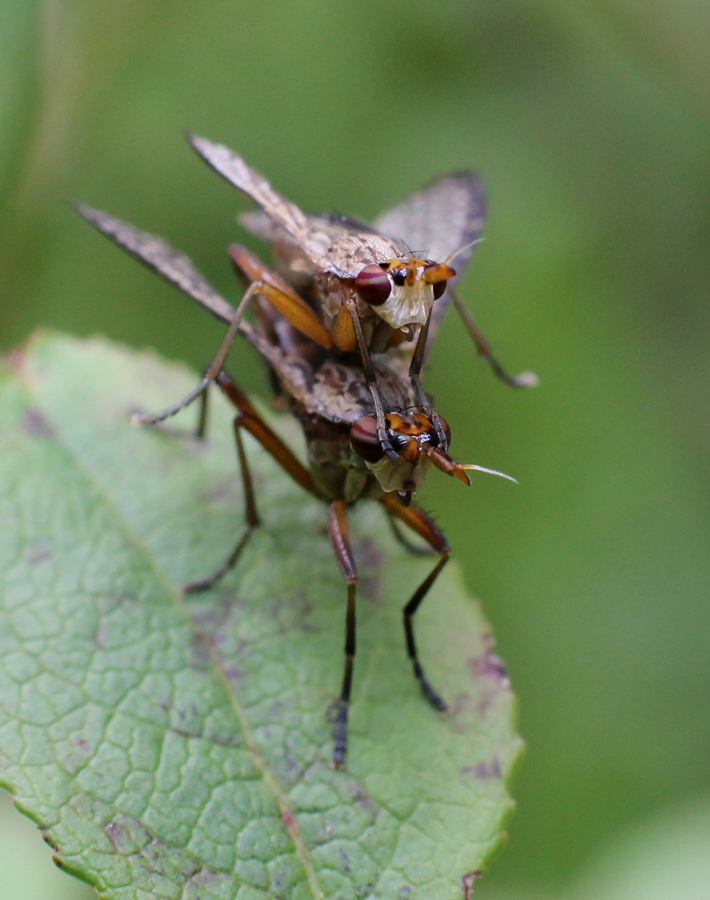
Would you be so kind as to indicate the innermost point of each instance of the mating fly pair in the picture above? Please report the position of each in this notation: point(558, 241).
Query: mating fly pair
point(346, 358)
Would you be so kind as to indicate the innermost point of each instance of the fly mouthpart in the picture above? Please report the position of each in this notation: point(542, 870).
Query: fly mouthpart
point(491, 472)
point(443, 461)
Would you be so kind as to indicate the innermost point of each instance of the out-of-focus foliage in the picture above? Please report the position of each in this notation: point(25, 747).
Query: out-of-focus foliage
point(591, 125)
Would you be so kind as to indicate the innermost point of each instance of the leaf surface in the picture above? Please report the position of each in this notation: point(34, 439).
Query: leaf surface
point(179, 747)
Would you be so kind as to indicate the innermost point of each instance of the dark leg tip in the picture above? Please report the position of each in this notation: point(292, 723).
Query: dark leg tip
point(194, 587)
point(431, 695)
point(338, 716)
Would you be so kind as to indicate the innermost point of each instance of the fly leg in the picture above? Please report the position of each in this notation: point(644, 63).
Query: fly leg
point(424, 526)
point(404, 541)
point(248, 418)
point(251, 515)
point(371, 379)
point(340, 539)
point(415, 368)
point(280, 294)
point(525, 379)
point(213, 369)
point(263, 283)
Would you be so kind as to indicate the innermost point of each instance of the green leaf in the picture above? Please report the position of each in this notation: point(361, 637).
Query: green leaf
point(172, 746)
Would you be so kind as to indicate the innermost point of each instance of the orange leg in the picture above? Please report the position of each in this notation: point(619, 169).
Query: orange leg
point(424, 526)
point(251, 420)
point(281, 295)
point(409, 546)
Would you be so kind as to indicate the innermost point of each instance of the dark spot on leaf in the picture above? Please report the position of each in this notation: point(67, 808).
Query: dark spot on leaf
point(209, 878)
point(117, 834)
point(164, 858)
point(39, 554)
point(84, 744)
point(467, 882)
point(131, 838)
point(219, 492)
point(188, 735)
point(489, 664)
point(288, 818)
point(233, 673)
point(128, 835)
point(484, 770)
point(48, 840)
point(36, 424)
point(371, 561)
point(200, 651)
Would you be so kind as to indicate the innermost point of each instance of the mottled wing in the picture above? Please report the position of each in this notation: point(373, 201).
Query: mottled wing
point(437, 221)
point(285, 216)
point(440, 218)
point(180, 271)
point(334, 227)
point(159, 256)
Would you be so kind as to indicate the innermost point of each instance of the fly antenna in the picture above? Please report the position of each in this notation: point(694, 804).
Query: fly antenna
point(470, 244)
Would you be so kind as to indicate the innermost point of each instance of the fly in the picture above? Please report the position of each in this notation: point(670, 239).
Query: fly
point(332, 400)
point(379, 289)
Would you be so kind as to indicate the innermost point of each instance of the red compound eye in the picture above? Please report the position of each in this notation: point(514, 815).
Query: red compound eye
point(373, 285)
point(364, 440)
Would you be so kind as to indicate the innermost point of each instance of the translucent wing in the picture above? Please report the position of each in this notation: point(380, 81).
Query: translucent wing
point(437, 220)
point(440, 218)
point(333, 391)
point(286, 218)
point(334, 227)
point(159, 256)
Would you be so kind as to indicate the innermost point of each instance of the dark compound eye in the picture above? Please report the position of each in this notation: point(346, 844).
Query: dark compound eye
point(364, 440)
point(438, 289)
point(373, 286)
point(447, 430)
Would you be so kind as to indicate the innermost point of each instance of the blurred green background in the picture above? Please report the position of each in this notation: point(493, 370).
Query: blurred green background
point(591, 125)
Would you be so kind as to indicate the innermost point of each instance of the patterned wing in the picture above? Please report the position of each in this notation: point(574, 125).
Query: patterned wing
point(437, 221)
point(159, 256)
point(285, 216)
